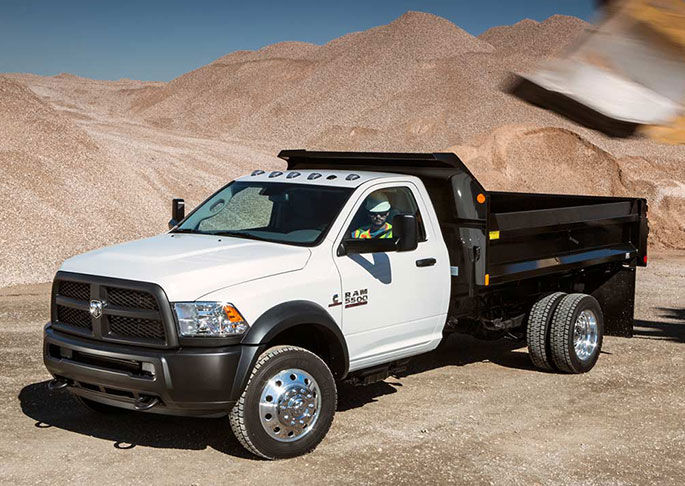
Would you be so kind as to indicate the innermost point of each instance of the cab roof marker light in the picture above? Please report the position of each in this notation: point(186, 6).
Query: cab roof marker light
point(257, 172)
point(352, 177)
point(331, 177)
point(292, 175)
point(276, 173)
point(313, 175)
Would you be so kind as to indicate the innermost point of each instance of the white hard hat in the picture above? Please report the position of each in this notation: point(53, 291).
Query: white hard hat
point(378, 204)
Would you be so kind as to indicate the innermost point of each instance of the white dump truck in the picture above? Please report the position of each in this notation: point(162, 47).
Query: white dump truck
point(341, 267)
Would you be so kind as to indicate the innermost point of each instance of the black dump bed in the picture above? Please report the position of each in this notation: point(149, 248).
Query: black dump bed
point(531, 234)
point(498, 237)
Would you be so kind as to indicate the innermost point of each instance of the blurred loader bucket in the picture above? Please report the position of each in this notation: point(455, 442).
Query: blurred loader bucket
point(627, 72)
point(673, 133)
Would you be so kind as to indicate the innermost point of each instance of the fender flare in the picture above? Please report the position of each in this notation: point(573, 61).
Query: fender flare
point(281, 318)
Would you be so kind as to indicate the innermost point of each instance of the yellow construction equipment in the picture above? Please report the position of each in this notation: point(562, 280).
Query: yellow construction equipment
point(627, 72)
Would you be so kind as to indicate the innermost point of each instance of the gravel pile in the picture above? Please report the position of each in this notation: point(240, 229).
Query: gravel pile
point(86, 163)
point(535, 38)
point(517, 158)
point(71, 181)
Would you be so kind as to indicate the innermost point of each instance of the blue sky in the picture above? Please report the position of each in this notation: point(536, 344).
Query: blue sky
point(159, 40)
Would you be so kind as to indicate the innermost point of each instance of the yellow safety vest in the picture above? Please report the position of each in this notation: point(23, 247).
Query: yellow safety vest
point(384, 232)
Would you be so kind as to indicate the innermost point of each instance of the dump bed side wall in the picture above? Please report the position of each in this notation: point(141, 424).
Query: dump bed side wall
point(534, 234)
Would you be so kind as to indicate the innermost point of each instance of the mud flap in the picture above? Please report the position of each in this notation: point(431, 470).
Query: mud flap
point(616, 296)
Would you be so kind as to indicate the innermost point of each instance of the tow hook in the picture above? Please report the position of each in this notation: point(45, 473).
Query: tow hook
point(57, 384)
point(145, 403)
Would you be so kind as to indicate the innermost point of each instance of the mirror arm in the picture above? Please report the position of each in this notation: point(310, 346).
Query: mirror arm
point(342, 251)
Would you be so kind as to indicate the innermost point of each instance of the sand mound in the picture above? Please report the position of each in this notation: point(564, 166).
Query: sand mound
point(75, 183)
point(418, 83)
point(529, 37)
point(296, 96)
point(31, 125)
point(554, 160)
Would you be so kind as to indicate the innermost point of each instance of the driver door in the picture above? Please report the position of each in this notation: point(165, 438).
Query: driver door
point(392, 301)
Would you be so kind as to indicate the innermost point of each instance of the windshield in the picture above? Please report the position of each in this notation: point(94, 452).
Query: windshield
point(285, 213)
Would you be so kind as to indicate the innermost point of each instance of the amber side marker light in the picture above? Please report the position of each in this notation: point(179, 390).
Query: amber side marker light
point(487, 279)
point(480, 198)
point(233, 315)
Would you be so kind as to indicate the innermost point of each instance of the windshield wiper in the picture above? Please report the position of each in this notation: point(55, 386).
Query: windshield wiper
point(188, 230)
point(240, 234)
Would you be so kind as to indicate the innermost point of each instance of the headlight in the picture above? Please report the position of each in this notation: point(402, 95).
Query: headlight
point(211, 319)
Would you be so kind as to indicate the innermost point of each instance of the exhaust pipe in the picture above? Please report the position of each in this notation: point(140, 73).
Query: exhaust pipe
point(145, 403)
point(57, 384)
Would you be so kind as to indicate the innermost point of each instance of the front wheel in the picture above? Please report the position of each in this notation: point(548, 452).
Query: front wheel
point(287, 406)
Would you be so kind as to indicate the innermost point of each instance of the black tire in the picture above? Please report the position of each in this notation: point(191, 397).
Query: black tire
point(564, 353)
point(98, 407)
point(245, 416)
point(537, 332)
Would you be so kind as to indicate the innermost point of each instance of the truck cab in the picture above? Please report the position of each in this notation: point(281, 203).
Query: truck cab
point(283, 283)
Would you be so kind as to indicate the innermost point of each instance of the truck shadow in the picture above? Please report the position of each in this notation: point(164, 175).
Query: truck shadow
point(380, 269)
point(455, 350)
point(127, 430)
point(669, 331)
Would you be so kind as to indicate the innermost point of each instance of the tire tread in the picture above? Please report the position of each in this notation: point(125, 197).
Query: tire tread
point(562, 327)
point(537, 333)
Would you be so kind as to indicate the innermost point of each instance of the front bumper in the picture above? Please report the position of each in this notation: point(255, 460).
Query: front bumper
point(192, 381)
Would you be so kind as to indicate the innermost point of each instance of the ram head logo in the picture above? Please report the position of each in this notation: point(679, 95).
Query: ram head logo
point(96, 307)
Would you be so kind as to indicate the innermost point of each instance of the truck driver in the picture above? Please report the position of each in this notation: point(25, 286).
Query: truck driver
point(378, 208)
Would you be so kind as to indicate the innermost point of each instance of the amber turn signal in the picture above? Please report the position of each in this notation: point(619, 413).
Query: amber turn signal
point(232, 314)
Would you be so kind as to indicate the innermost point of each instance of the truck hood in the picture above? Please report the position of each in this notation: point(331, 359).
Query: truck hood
point(189, 266)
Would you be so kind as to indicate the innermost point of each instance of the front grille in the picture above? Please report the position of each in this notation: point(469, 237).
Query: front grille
point(131, 298)
point(68, 316)
point(140, 328)
point(130, 314)
point(74, 290)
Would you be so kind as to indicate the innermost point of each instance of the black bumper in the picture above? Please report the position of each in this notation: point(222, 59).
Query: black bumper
point(190, 381)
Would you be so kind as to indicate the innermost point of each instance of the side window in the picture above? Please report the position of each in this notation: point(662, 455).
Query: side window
point(374, 217)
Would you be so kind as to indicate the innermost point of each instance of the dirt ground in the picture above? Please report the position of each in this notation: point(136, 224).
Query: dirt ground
point(471, 413)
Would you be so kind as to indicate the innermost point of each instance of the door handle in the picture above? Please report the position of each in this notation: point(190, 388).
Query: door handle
point(425, 262)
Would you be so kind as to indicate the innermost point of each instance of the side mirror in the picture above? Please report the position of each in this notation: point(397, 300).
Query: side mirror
point(405, 231)
point(178, 212)
point(375, 245)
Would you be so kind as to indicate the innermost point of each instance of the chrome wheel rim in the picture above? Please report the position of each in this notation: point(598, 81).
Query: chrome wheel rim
point(289, 405)
point(585, 335)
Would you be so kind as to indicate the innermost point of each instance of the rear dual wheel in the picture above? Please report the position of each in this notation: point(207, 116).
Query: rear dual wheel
point(576, 333)
point(565, 332)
